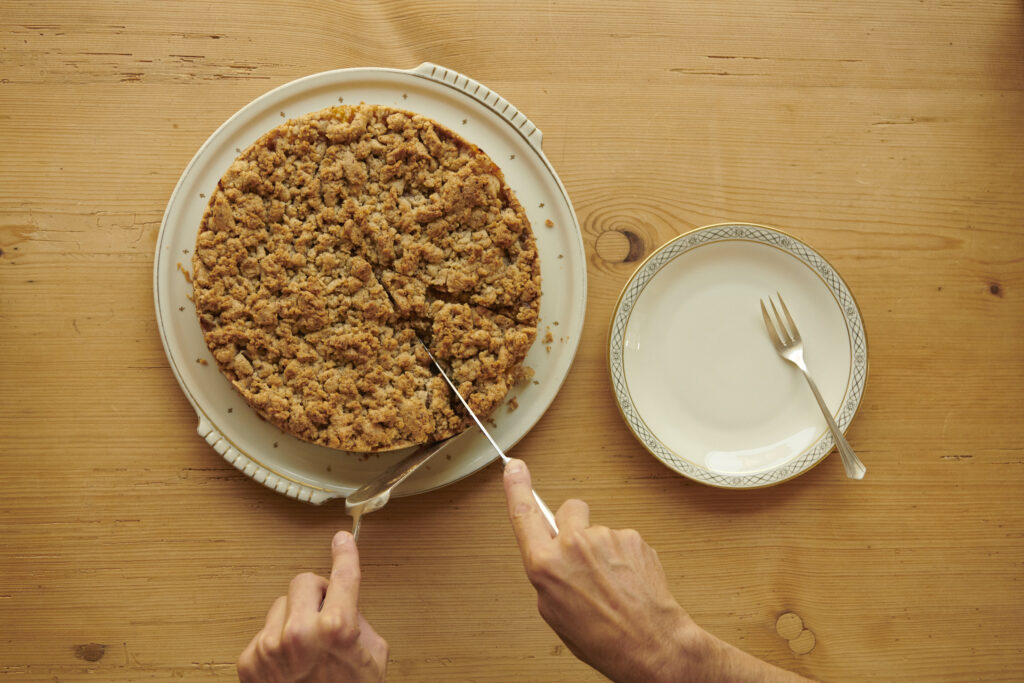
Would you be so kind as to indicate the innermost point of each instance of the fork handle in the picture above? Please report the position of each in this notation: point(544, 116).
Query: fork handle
point(851, 463)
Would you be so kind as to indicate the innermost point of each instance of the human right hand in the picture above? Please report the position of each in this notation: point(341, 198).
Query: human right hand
point(605, 594)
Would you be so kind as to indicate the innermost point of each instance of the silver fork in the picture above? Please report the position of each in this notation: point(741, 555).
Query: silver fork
point(789, 345)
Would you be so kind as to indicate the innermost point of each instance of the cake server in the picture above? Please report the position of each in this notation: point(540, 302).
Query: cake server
point(375, 494)
point(544, 509)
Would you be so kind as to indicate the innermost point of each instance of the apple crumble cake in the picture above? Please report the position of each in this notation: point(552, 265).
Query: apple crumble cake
point(332, 242)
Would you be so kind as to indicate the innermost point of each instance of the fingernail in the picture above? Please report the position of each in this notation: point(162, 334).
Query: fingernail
point(340, 539)
point(514, 467)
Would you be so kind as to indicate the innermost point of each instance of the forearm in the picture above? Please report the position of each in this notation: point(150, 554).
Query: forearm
point(703, 657)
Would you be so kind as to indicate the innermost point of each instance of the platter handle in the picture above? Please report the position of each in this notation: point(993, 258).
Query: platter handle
point(256, 471)
point(485, 95)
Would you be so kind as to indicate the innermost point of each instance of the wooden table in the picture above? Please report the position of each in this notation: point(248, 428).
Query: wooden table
point(888, 135)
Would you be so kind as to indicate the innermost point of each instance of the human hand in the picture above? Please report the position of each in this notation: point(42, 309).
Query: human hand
point(605, 594)
point(603, 591)
point(316, 633)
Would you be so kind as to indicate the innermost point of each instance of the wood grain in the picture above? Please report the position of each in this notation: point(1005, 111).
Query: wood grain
point(886, 134)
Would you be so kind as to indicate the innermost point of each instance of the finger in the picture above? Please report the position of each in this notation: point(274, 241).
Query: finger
point(248, 660)
point(573, 515)
point(247, 663)
point(275, 615)
point(305, 594)
point(527, 521)
point(268, 641)
point(342, 597)
point(374, 644)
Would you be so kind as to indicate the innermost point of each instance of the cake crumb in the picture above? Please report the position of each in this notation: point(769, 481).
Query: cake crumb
point(188, 275)
point(513, 404)
point(548, 338)
point(549, 223)
point(202, 361)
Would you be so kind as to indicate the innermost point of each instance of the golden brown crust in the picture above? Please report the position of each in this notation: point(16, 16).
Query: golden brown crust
point(335, 237)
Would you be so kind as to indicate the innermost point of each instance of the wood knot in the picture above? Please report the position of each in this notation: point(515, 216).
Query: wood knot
point(995, 290)
point(620, 246)
point(90, 652)
point(790, 626)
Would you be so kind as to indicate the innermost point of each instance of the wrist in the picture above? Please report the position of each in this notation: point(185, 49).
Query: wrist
point(688, 653)
point(703, 657)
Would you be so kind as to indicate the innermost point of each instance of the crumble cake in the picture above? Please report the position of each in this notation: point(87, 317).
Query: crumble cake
point(336, 238)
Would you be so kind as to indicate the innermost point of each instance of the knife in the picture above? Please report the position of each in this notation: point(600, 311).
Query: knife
point(544, 509)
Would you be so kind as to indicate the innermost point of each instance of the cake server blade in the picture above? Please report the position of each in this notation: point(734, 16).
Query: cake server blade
point(376, 493)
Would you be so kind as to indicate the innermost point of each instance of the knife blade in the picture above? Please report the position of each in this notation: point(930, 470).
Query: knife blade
point(544, 509)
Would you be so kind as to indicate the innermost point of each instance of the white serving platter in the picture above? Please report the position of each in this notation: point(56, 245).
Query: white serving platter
point(314, 473)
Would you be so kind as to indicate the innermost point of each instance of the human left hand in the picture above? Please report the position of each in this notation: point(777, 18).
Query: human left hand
point(315, 632)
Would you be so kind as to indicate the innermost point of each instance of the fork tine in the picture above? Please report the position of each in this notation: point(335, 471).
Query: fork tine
point(783, 332)
point(771, 326)
point(792, 325)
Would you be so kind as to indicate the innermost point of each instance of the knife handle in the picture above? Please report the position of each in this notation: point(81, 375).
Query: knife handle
point(549, 517)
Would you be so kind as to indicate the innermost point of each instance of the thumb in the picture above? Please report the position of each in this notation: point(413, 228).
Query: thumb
point(343, 585)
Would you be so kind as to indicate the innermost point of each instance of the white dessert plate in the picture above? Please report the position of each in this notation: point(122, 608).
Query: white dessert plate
point(694, 371)
point(314, 473)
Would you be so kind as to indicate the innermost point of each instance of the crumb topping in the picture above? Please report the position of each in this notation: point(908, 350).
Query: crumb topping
point(332, 241)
